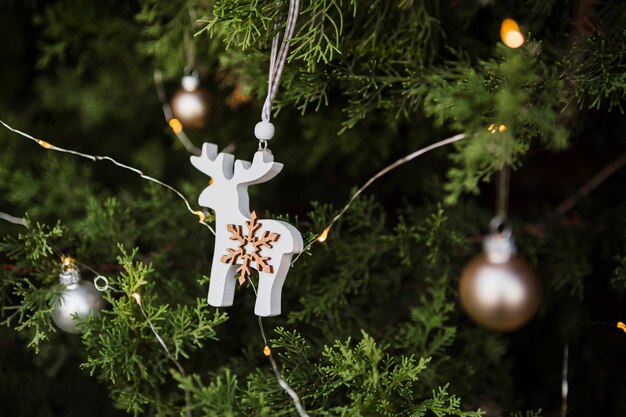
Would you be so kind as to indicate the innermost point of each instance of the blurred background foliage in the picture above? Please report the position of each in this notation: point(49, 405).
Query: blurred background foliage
point(371, 324)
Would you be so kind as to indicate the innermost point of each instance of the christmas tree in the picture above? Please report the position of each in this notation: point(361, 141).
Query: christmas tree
point(371, 323)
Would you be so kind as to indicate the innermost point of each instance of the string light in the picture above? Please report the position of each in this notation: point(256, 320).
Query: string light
point(324, 235)
point(201, 216)
point(510, 34)
point(493, 128)
point(176, 125)
point(44, 144)
point(267, 351)
point(137, 297)
point(622, 326)
point(95, 158)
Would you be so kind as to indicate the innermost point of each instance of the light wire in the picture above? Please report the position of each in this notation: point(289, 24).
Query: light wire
point(382, 172)
point(47, 145)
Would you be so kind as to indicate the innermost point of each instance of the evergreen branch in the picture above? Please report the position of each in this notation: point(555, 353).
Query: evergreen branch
point(283, 384)
point(183, 374)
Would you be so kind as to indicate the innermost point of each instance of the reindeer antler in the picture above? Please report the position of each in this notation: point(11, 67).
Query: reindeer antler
point(219, 166)
point(262, 168)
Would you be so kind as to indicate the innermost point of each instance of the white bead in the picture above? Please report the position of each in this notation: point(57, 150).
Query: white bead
point(264, 130)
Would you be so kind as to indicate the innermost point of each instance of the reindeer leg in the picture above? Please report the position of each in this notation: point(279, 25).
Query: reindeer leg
point(222, 285)
point(270, 288)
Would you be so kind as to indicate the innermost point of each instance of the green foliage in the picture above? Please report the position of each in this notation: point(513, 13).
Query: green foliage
point(603, 81)
point(501, 108)
point(371, 325)
point(596, 62)
point(428, 331)
point(379, 384)
point(26, 304)
point(123, 349)
point(434, 233)
point(217, 398)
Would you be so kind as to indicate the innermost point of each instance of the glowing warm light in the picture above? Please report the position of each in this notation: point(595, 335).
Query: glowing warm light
point(510, 34)
point(267, 351)
point(67, 263)
point(322, 238)
point(622, 326)
point(137, 297)
point(176, 125)
point(200, 215)
point(44, 144)
point(211, 181)
point(493, 129)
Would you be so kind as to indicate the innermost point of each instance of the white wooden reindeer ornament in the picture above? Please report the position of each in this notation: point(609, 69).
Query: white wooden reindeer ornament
point(243, 241)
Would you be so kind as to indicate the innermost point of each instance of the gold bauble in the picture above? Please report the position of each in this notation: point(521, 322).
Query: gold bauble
point(500, 296)
point(193, 108)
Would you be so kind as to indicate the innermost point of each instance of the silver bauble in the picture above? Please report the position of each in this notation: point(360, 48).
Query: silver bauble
point(79, 298)
point(499, 290)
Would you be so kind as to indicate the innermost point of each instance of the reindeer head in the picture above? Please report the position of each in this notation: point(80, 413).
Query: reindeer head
point(229, 186)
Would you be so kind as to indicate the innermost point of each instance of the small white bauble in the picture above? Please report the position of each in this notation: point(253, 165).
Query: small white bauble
point(78, 298)
point(264, 130)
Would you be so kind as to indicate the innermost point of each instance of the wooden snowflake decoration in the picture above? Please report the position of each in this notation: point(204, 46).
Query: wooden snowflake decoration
point(249, 248)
